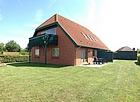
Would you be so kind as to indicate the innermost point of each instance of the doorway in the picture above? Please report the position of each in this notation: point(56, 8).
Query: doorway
point(83, 55)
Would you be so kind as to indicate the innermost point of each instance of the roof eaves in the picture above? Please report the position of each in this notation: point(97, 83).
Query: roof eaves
point(44, 23)
point(44, 27)
point(94, 47)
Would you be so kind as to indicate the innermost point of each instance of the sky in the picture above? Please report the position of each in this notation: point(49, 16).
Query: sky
point(115, 22)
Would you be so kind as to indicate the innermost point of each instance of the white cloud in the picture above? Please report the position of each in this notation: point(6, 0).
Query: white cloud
point(50, 5)
point(32, 25)
point(20, 33)
point(87, 17)
point(39, 15)
point(119, 23)
point(90, 16)
point(115, 22)
point(21, 36)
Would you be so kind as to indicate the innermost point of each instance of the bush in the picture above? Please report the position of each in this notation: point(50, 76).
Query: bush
point(24, 53)
point(139, 58)
point(13, 58)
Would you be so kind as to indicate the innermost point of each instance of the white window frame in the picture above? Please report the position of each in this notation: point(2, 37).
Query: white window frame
point(55, 52)
point(84, 35)
point(36, 52)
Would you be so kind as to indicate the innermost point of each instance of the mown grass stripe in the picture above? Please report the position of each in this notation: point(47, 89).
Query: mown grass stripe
point(115, 82)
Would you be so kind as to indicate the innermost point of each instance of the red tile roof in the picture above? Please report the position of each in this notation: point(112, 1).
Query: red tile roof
point(80, 35)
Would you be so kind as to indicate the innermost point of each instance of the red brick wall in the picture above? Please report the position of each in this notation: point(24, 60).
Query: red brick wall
point(10, 53)
point(89, 55)
point(41, 55)
point(66, 51)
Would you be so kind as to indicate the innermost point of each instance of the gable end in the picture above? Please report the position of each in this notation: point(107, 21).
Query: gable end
point(55, 24)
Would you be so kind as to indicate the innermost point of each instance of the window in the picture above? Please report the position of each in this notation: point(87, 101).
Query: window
point(93, 39)
point(49, 31)
point(52, 31)
point(36, 52)
point(84, 35)
point(83, 55)
point(55, 52)
point(89, 37)
point(93, 53)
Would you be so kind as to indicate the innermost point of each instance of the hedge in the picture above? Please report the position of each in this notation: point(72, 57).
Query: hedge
point(13, 58)
point(139, 58)
point(24, 53)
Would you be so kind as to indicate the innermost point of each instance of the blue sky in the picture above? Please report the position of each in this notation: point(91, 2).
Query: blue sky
point(115, 22)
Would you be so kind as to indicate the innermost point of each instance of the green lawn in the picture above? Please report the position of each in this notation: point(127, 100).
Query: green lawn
point(28, 82)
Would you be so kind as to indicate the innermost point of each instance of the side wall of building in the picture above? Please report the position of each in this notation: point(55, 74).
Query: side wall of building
point(66, 51)
point(89, 55)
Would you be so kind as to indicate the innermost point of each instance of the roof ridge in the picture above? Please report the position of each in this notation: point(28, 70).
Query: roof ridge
point(46, 21)
point(74, 30)
point(73, 22)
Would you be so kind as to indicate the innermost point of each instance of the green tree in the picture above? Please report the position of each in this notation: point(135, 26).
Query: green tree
point(138, 50)
point(12, 46)
point(1, 47)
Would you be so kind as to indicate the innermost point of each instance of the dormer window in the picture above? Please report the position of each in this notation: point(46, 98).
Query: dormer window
point(49, 31)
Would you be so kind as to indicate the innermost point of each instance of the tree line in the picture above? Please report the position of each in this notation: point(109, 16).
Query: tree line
point(11, 46)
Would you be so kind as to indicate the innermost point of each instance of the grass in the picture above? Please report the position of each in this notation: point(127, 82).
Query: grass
point(30, 82)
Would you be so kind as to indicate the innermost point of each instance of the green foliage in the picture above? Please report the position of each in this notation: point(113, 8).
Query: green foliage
point(138, 51)
point(2, 48)
point(139, 58)
point(13, 58)
point(24, 50)
point(12, 46)
point(24, 53)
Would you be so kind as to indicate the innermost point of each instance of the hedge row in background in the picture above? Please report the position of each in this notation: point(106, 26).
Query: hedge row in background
point(24, 53)
point(13, 58)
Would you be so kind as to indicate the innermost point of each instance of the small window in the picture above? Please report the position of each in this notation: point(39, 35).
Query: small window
point(53, 31)
point(89, 37)
point(93, 53)
point(84, 35)
point(93, 39)
point(55, 52)
point(36, 52)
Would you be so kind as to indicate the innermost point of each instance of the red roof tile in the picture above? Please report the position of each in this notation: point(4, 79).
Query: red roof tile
point(80, 35)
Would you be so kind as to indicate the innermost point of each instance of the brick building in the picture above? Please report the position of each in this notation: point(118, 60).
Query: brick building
point(61, 41)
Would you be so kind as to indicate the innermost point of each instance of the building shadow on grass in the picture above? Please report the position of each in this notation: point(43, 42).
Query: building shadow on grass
point(137, 63)
point(41, 65)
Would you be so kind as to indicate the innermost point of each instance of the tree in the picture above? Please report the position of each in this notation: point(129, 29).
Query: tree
point(12, 46)
point(1, 47)
point(138, 50)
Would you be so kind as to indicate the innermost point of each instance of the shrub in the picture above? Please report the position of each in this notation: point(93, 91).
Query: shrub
point(24, 53)
point(13, 58)
point(139, 58)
